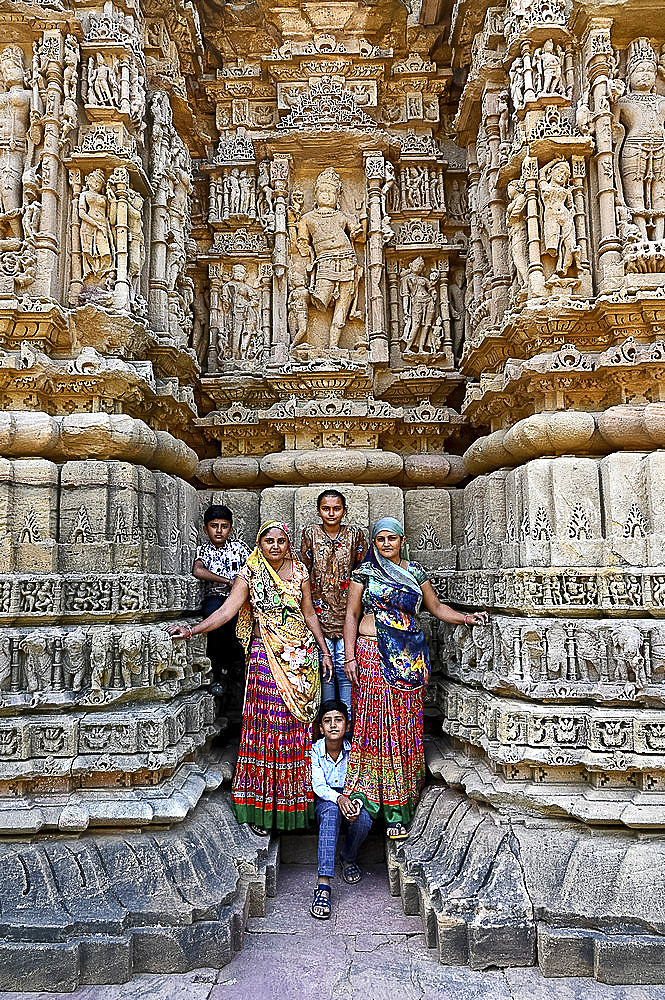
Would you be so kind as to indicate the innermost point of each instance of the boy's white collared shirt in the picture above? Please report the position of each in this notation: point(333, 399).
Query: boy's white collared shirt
point(328, 775)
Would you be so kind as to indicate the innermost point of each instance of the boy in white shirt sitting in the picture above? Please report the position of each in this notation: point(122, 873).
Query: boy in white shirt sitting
point(330, 760)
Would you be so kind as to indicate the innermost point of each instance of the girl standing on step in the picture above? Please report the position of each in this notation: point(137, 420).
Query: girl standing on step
point(387, 661)
point(277, 625)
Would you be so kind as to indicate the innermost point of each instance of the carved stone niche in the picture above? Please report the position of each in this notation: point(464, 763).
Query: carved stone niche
point(420, 329)
point(326, 228)
point(239, 313)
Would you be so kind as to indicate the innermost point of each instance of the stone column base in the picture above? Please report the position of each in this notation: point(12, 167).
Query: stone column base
point(504, 888)
point(100, 908)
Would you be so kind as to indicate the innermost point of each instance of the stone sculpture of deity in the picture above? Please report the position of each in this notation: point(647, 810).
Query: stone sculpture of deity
point(517, 234)
point(14, 123)
point(97, 249)
point(640, 113)
point(419, 300)
point(240, 308)
point(559, 237)
point(330, 232)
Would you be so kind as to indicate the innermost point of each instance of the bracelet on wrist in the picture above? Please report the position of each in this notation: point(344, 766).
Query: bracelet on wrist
point(189, 632)
point(351, 659)
point(466, 621)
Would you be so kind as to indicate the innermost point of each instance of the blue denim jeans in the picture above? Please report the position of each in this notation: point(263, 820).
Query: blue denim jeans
point(340, 685)
point(331, 823)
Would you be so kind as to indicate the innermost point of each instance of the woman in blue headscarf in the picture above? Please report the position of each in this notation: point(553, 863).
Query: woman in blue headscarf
point(387, 661)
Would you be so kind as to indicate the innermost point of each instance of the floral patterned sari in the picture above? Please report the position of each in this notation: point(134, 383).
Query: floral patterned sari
point(290, 649)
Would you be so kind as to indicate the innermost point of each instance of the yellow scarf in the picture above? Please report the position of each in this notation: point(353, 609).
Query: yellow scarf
point(292, 654)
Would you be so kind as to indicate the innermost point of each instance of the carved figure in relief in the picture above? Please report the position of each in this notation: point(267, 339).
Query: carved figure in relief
point(5, 661)
point(516, 77)
point(37, 662)
point(97, 250)
point(298, 306)
point(640, 119)
point(240, 308)
point(100, 660)
point(336, 270)
point(14, 121)
point(136, 241)
point(32, 210)
point(70, 74)
point(233, 191)
point(200, 325)
point(419, 300)
point(74, 661)
point(457, 201)
point(517, 232)
point(628, 648)
point(246, 182)
point(293, 217)
point(456, 308)
point(548, 62)
point(559, 237)
point(265, 204)
point(103, 87)
point(130, 644)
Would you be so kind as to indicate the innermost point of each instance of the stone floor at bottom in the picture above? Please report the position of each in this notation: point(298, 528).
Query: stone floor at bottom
point(368, 950)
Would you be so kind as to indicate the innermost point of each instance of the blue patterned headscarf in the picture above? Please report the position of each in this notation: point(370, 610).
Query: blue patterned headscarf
point(391, 572)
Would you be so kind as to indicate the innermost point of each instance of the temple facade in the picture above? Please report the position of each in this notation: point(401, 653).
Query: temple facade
point(414, 249)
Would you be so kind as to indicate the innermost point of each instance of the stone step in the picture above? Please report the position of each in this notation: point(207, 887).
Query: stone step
point(301, 849)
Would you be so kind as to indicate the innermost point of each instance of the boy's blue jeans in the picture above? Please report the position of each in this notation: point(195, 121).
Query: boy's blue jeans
point(330, 823)
point(328, 692)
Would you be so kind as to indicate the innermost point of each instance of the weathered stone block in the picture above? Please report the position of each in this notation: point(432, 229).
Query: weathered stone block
point(629, 958)
point(428, 528)
point(565, 951)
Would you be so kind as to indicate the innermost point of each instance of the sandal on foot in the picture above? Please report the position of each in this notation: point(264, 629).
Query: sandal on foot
point(351, 873)
point(260, 831)
point(321, 902)
point(397, 831)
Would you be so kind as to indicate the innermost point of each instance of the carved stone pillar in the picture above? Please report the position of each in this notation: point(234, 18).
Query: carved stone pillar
point(444, 268)
point(529, 91)
point(393, 311)
point(76, 280)
point(215, 274)
point(119, 182)
point(536, 273)
point(578, 175)
point(158, 291)
point(279, 178)
point(47, 241)
point(378, 339)
point(598, 56)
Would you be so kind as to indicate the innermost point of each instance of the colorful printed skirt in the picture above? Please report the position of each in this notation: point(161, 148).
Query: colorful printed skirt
point(272, 786)
point(387, 760)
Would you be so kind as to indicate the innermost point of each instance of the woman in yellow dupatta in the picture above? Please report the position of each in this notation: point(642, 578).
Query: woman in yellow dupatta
point(277, 625)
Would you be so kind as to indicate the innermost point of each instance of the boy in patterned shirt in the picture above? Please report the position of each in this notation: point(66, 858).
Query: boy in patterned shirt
point(331, 551)
point(217, 563)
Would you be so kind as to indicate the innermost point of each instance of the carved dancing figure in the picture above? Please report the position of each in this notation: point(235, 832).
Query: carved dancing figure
point(265, 205)
point(14, 122)
point(97, 250)
point(640, 120)
point(240, 307)
point(70, 73)
point(559, 237)
point(336, 267)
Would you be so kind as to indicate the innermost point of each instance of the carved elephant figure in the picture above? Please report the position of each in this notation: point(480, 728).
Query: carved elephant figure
point(74, 661)
point(37, 662)
point(130, 644)
point(100, 661)
point(629, 654)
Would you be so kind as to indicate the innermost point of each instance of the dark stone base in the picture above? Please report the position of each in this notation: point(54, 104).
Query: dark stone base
point(99, 908)
point(506, 889)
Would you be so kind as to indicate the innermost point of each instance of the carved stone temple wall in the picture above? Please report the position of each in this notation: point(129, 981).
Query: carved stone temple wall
point(409, 247)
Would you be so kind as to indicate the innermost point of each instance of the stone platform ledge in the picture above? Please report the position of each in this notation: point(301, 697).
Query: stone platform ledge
point(101, 908)
point(170, 801)
point(509, 890)
point(551, 791)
